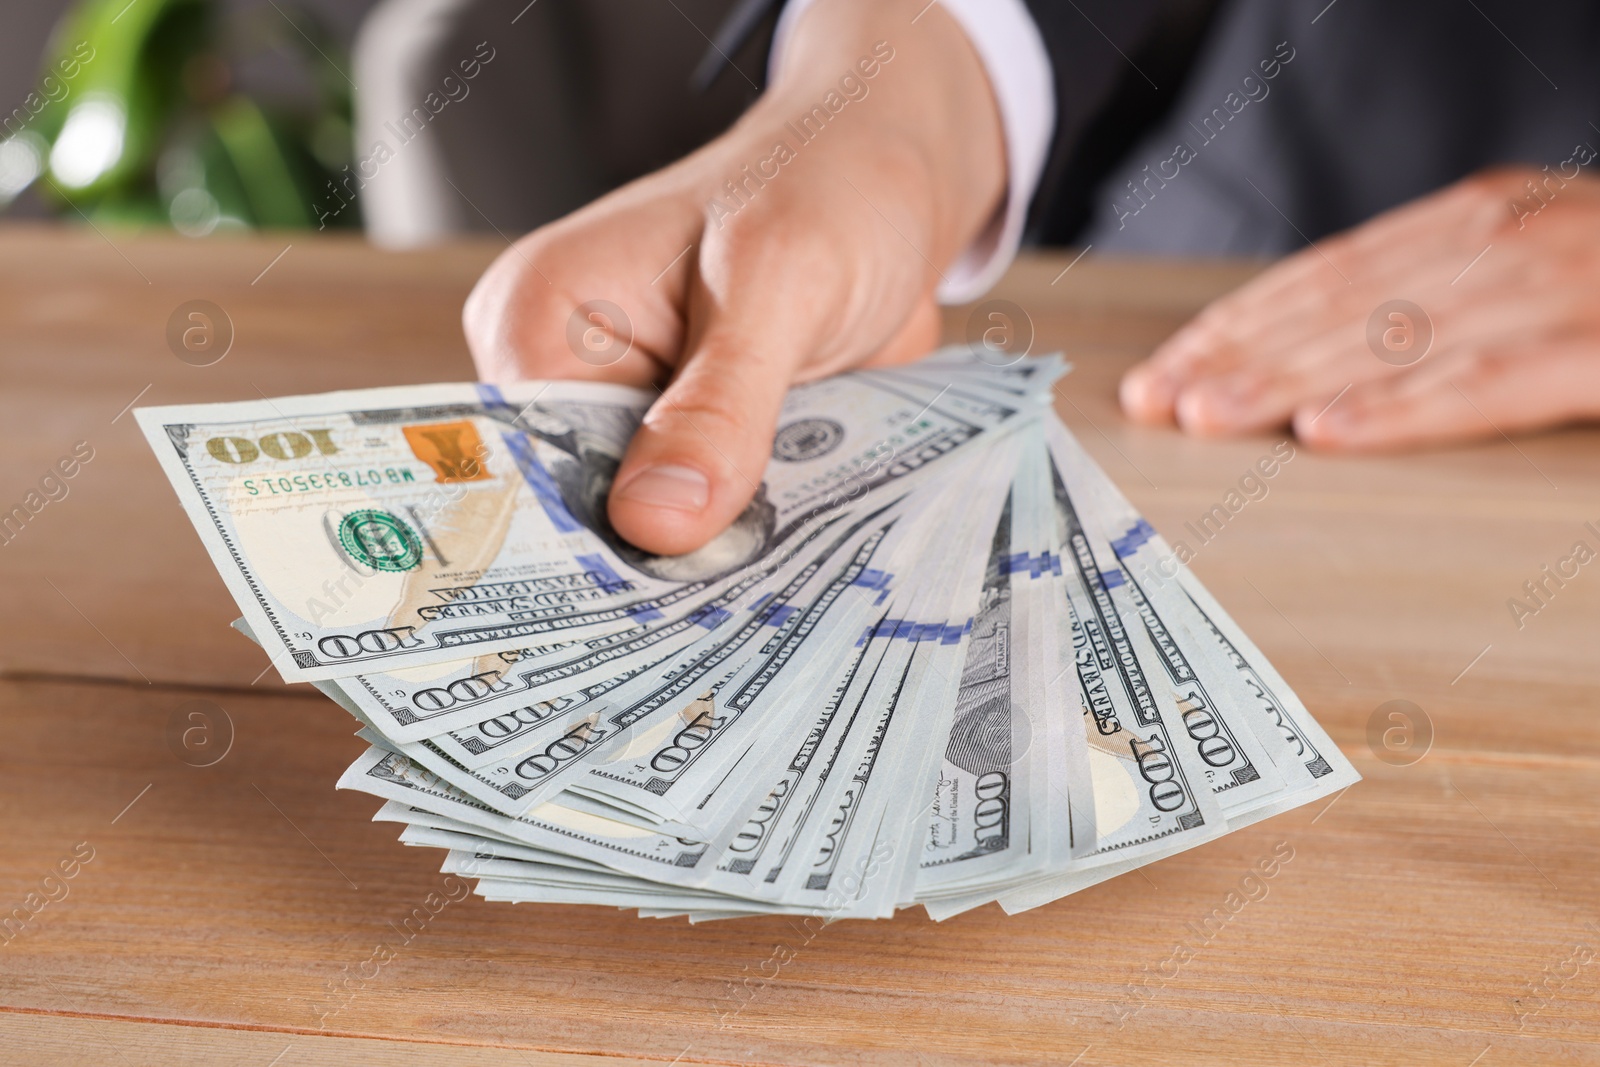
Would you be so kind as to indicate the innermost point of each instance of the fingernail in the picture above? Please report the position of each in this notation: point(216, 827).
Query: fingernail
point(1331, 426)
point(1339, 421)
point(1149, 390)
point(668, 486)
point(1213, 406)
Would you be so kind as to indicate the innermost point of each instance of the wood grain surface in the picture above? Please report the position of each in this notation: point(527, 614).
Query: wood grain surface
point(1447, 911)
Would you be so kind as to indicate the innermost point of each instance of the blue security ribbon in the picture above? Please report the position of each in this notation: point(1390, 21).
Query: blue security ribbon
point(527, 461)
point(778, 614)
point(1134, 539)
point(611, 582)
point(711, 617)
point(539, 480)
point(1033, 566)
point(915, 632)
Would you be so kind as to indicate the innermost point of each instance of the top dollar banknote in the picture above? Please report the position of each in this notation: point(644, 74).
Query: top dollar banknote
point(388, 528)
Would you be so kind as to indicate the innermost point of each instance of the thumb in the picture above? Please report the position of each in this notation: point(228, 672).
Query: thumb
point(700, 453)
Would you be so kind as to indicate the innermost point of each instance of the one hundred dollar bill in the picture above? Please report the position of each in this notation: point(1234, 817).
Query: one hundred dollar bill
point(389, 528)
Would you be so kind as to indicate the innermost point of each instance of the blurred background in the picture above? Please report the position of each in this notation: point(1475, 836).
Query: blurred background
point(123, 111)
point(411, 119)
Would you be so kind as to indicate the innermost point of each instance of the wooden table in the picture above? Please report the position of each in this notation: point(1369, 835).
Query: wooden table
point(1444, 912)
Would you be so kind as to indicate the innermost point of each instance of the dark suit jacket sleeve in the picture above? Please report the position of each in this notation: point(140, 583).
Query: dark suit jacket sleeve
point(1117, 65)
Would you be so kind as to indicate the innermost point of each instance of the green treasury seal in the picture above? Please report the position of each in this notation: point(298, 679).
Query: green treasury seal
point(378, 540)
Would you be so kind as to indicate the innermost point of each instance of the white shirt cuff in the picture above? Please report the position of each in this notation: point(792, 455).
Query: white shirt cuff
point(1013, 54)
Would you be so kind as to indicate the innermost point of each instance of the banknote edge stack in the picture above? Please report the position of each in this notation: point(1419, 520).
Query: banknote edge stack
point(968, 672)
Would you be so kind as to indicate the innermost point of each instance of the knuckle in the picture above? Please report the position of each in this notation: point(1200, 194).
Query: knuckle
point(716, 412)
point(1496, 201)
point(1488, 368)
point(1495, 184)
point(762, 238)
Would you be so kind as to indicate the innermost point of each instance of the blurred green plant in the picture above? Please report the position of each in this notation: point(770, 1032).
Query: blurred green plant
point(137, 120)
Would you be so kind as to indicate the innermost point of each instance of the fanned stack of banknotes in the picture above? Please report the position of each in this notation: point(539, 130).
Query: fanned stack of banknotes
point(938, 660)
